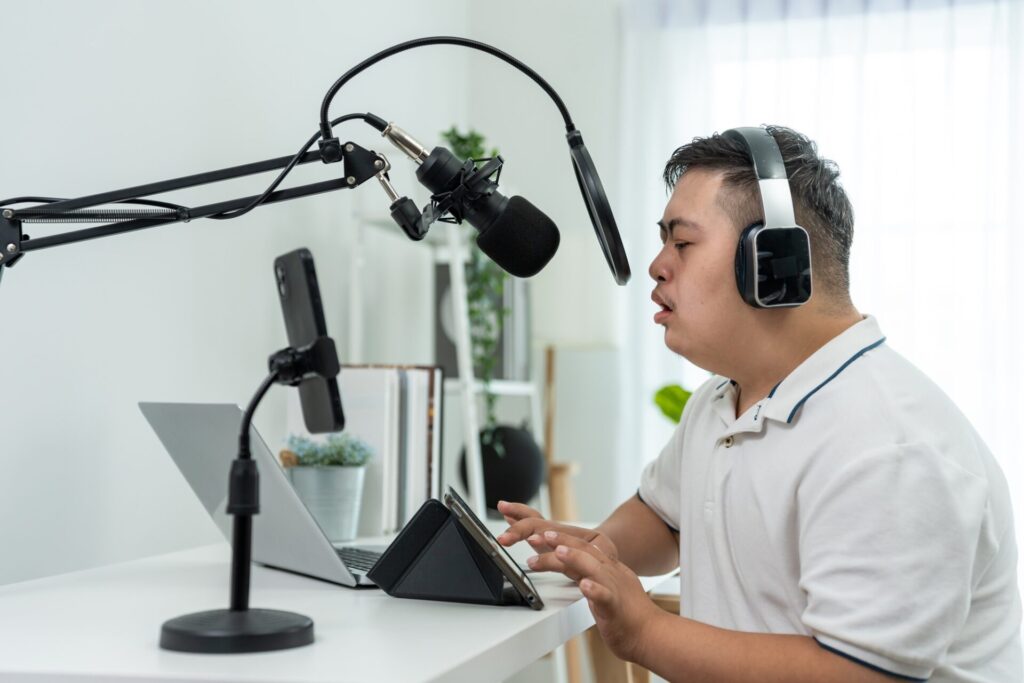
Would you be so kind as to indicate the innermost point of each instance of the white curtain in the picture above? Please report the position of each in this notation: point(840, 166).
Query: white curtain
point(922, 106)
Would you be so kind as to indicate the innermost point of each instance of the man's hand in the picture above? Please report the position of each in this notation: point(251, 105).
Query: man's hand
point(620, 605)
point(526, 524)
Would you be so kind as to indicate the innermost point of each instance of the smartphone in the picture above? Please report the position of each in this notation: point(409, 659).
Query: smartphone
point(482, 535)
point(304, 321)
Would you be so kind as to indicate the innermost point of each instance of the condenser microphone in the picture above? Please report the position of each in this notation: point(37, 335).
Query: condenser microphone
point(512, 232)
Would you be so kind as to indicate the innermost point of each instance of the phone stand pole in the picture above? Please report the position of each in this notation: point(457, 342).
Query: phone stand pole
point(239, 628)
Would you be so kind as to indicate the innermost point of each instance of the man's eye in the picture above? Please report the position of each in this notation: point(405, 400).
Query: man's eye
point(679, 245)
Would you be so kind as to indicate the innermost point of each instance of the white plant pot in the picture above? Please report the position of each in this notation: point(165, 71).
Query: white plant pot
point(333, 495)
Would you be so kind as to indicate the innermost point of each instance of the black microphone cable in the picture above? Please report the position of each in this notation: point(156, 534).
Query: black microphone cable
point(375, 121)
point(325, 126)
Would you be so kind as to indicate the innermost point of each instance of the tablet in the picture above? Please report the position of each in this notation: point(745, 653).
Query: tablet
point(480, 533)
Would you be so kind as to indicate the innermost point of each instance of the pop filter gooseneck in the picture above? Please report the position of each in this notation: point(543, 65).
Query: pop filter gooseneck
point(589, 181)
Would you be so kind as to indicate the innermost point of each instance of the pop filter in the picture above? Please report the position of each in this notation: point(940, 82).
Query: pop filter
point(586, 174)
point(598, 208)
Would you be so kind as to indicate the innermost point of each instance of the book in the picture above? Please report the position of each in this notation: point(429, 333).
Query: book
point(420, 474)
point(397, 411)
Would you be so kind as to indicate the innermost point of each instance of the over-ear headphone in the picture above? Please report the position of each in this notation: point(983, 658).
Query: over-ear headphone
point(773, 258)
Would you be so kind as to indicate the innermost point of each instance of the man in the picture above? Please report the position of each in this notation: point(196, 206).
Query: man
point(834, 516)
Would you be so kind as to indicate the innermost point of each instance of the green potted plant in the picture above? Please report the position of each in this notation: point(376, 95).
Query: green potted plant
point(328, 476)
point(513, 464)
point(671, 399)
point(485, 290)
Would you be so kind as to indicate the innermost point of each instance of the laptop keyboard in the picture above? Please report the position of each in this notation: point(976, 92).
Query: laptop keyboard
point(358, 559)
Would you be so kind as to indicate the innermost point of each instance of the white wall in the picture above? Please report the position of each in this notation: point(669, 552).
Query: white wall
point(99, 96)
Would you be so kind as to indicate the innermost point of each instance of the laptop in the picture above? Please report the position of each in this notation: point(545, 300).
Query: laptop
point(202, 439)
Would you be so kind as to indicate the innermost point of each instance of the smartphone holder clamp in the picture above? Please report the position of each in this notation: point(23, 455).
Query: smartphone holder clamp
point(239, 628)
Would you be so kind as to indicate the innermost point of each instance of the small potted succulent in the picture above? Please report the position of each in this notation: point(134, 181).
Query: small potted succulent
point(328, 476)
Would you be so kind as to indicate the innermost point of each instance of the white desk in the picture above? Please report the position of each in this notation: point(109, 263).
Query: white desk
point(104, 623)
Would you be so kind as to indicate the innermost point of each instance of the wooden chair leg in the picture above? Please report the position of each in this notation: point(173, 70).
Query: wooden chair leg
point(638, 674)
point(607, 667)
point(610, 669)
point(574, 660)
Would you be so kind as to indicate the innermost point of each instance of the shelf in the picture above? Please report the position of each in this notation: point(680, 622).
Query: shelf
point(502, 387)
point(451, 246)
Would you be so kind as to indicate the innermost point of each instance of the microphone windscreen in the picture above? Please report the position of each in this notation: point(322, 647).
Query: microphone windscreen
point(521, 239)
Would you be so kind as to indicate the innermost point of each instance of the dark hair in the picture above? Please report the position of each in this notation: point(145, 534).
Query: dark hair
point(819, 201)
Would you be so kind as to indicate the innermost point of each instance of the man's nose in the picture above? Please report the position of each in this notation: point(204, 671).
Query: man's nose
point(658, 270)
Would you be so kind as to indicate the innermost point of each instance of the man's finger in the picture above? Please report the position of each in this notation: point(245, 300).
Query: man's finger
point(525, 528)
point(595, 592)
point(517, 510)
point(538, 543)
point(548, 562)
point(522, 530)
point(600, 599)
point(556, 538)
point(578, 562)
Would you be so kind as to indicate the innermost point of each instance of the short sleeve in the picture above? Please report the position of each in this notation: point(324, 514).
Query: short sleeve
point(887, 553)
point(661, 480)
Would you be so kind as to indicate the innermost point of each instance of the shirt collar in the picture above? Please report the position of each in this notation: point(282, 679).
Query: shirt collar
point(784, 402)
point(820, 368)
point(723, 402)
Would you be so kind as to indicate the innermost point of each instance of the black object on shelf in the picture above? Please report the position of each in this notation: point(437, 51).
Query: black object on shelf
point(515, 473)
point(434, 558)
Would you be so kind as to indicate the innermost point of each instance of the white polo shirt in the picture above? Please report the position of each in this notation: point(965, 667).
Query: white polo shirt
point(854, 504)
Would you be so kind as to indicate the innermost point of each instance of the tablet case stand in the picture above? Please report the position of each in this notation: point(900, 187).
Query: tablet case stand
point(434, 558)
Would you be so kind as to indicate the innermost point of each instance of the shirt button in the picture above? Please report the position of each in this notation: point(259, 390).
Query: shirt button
point(727, 442)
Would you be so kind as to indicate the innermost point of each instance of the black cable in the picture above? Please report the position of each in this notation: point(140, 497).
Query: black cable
point(287, 169)
point(53, 200)
point(325, 127)
point(19, 200)
point(152, 202)
point(114, 215)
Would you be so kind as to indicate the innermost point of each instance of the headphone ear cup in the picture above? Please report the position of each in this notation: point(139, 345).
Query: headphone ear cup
point(744, 266)
point(740, 270)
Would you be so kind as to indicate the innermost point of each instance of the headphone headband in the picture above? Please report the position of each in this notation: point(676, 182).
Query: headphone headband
point(771, 174)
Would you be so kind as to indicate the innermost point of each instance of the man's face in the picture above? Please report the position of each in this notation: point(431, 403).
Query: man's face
point(699, 305)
